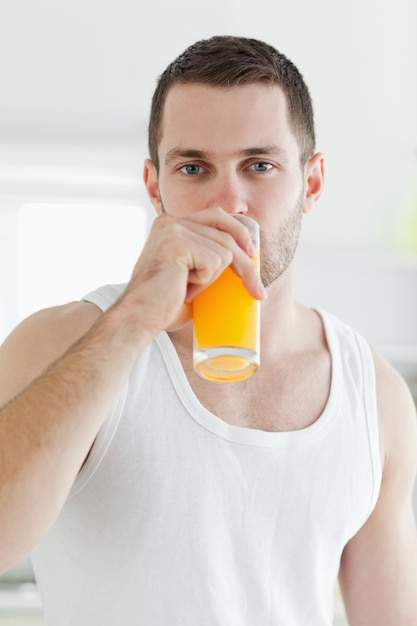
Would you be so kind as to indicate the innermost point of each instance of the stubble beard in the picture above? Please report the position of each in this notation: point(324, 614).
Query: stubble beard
point(278, 249)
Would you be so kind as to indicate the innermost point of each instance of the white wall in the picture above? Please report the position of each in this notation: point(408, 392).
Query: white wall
point(84, 72)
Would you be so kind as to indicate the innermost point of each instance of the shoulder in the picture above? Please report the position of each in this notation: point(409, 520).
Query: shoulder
point(378, 565)
point(38, 341)
point(397, 421)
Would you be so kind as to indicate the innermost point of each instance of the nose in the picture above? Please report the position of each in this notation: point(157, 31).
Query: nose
point(229, 193)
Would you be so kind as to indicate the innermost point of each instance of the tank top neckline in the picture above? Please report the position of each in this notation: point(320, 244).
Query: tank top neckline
point(253, 436)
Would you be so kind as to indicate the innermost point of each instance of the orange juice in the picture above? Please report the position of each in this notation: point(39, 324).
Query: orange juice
point(226, 329)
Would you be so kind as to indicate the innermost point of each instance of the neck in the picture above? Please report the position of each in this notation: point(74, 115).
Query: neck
point(280, 317)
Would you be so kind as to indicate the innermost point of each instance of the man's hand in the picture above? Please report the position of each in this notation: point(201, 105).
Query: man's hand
point(181, 258)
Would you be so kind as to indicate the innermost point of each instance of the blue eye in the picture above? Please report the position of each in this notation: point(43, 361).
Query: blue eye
point(191, 169)
point(261, 166)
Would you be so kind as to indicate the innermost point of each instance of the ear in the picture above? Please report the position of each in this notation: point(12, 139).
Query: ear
point(313, 181)
point(150, 178)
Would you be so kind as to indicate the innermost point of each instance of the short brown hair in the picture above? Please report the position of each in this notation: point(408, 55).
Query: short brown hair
point(227, 61)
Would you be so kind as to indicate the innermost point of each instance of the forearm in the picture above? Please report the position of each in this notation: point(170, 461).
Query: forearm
point(48, 429)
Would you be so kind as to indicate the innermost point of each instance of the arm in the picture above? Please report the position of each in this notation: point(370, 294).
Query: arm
point(47, 430)
point(49, 420)
point(378, 575)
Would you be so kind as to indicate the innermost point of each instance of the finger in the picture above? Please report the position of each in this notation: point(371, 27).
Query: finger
point(249, 273)
point(209, 261)
point(250, 278)
point(214, 262)
point(222, 222)
point(219, 240)
point(205, 251)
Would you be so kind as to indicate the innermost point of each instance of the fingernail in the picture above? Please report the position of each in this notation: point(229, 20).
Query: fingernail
point(262, 291)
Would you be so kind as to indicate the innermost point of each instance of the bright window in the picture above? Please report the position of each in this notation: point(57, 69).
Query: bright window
point(67, 250)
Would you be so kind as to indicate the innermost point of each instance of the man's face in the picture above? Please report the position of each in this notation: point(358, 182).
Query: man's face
point(234, 148)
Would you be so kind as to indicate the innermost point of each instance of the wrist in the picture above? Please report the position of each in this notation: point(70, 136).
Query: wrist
point(128, 324)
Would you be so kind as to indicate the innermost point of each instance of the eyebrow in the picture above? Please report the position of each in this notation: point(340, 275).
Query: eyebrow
point(177, 153)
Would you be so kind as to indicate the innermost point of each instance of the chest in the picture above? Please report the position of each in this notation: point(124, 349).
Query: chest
point(280, 398)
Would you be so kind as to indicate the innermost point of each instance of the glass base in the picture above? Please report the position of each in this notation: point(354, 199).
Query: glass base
point(225, 364)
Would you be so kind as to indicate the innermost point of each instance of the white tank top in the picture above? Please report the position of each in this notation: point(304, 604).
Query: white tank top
point(180, 519)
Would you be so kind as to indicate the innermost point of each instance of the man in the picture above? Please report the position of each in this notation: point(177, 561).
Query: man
point(151, 496)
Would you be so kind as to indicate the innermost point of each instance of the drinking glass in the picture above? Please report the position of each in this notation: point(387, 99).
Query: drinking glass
point(226, 324)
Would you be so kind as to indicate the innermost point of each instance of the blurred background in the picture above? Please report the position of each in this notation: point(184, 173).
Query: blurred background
point(76, 79)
